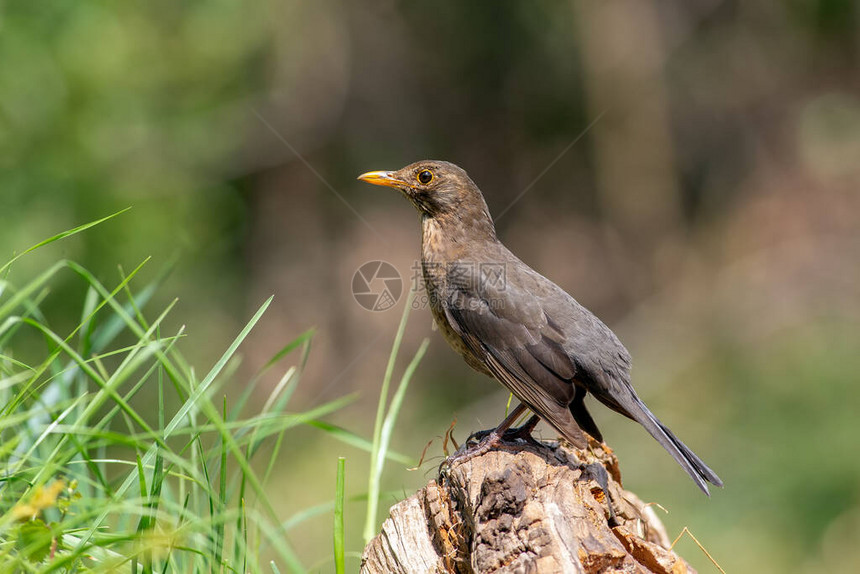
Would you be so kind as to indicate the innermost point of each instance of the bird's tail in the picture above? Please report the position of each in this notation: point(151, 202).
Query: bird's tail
point(695, 467)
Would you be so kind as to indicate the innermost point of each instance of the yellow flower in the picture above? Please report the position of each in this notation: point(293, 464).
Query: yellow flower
point(42, 498)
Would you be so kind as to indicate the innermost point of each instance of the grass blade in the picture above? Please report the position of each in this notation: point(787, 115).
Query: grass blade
point(338, 517)
point(348, 437)
point(396, 403)
point(61, 235)
point(376, 460)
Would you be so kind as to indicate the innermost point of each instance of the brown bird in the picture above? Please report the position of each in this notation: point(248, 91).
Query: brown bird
point(513, 324)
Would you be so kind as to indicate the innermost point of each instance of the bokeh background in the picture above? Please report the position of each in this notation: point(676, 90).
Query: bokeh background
point(690, 171)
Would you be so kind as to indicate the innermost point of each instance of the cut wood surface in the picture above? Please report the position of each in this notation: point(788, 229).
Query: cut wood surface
point(523, 509)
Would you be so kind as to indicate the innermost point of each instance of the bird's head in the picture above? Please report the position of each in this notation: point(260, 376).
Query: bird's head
point(437, 189)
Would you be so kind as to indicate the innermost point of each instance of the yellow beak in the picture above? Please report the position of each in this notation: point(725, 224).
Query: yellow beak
point(385, 178)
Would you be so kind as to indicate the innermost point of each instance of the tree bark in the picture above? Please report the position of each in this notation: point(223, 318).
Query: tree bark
point(524, 509)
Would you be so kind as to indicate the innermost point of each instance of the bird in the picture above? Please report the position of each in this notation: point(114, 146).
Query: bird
point(513, 324)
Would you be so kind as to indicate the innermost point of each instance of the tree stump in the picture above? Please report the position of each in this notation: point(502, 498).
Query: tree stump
point(524, 509)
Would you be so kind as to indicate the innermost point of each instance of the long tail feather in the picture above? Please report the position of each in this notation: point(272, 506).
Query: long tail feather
point(689, 461)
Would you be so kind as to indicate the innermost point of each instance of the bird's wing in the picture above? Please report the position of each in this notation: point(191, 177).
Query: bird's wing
point(603, 367)
point(505, 325)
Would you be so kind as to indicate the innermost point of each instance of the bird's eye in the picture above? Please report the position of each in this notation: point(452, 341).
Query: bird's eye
point(425, 176)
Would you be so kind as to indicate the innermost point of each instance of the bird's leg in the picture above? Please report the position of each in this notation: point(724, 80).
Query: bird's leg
point(524, 432)
point(487, 439)
point(502, 429)
point(478, 436)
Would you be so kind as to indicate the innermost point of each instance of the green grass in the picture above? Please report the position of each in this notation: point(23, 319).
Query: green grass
point(385, 420)
point(116, 454)
point(339, 549)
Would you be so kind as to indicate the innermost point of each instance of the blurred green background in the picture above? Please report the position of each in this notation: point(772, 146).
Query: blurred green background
point(690, 171)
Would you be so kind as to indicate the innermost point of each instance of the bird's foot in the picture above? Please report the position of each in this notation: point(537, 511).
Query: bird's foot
point(481, 442)
point(477, 437)
point(523, 433)
point(477, 444)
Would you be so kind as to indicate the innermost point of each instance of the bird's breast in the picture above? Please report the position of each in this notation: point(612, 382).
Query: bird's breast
point(438, 255)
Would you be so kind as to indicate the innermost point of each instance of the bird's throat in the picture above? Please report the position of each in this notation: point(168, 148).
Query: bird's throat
point(437, 246)
point(450, 237)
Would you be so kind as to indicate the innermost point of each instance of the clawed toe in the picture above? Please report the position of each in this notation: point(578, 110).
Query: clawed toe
point(481, 442)
point(523, 433)
point(477, 436)
point(477, 444)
